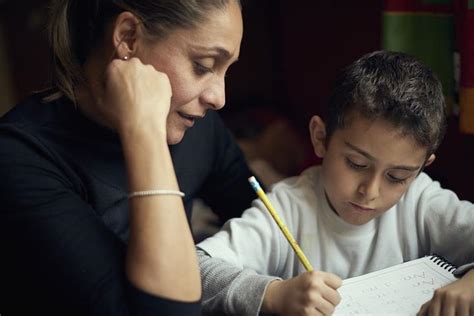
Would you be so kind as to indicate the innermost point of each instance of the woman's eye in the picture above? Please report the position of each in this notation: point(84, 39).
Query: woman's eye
point(201, 69)
point(354, 165)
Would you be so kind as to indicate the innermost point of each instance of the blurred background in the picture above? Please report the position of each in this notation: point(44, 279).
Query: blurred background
point(291, 53)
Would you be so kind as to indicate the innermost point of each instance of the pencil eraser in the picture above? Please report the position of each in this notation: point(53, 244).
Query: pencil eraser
point(254, 183)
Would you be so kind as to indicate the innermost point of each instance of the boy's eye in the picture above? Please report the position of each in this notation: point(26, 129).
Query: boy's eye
point(354, 165)
point(397, 180)
point(201, 69)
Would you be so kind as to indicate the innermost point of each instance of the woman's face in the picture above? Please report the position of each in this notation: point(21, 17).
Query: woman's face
point(196, 61)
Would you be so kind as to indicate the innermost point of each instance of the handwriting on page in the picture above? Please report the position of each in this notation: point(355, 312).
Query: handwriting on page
point(401, 293)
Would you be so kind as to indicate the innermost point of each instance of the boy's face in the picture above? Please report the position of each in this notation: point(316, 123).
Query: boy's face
point(367, 166)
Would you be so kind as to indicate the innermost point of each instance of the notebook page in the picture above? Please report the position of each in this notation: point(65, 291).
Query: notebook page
point(398, 290)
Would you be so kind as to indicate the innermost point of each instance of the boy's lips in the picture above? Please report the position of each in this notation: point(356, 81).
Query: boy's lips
point(361, 208)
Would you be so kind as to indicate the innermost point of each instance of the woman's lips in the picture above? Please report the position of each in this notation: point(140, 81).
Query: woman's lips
point(188, 119)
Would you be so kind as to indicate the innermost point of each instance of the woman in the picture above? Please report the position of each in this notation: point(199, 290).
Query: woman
point(92, 215)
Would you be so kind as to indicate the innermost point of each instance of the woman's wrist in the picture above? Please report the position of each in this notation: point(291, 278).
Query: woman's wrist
point(148, 160)
point(133, 134)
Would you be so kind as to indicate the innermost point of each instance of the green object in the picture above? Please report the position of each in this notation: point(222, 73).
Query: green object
point(470, 4)
point(427, 36)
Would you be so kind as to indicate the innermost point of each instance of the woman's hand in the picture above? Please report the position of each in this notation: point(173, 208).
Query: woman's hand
point(456, 298)
point(161, 258)
point(134, 96)
point(311, 293)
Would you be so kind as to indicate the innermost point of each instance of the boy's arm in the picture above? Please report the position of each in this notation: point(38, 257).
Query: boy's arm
point(456, 298)
point(235, 263)
point(229, 289)
point(446, 226)
point(235, 291)
point(444, 222)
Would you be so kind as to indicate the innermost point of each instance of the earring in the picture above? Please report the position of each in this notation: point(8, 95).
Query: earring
point(125, 57)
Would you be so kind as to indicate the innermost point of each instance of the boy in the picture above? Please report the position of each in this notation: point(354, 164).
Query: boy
point(367, 207)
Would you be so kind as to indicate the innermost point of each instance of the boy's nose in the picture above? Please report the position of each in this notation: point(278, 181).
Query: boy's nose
point(370, 188)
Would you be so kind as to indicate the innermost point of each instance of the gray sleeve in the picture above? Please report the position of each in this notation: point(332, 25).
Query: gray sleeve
point(230, 290)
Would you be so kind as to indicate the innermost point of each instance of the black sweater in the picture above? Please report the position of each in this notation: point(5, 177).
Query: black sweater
point(64, 209)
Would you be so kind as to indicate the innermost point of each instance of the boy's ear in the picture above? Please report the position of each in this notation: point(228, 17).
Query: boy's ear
point(317, 131)
point(430, 160)
point(125, 34)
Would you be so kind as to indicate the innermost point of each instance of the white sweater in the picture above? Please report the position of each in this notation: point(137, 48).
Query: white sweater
point(428, 219)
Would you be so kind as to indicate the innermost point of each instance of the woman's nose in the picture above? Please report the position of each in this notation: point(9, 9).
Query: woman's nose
point(214, 95)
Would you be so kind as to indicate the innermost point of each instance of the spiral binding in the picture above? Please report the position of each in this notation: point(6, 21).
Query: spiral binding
point(442, 262)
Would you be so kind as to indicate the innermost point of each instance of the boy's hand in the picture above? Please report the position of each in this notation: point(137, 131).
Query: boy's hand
point(311, 293)
point(456, 298)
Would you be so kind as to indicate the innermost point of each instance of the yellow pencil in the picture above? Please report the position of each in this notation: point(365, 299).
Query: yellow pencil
point(258, 189)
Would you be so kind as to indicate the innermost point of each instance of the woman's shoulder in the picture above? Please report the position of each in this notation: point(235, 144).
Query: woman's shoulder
point(23, 122)
point(26, 134)
point(34, 112)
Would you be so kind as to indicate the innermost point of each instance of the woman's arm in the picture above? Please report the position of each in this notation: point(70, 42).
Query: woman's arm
point(160, 255)
point(59, 257)
point(60, 254)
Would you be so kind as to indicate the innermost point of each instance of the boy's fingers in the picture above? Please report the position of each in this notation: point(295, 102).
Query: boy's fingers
point(332, 296)
point(324, 306)
point(434, 307)
point(463, 310)
point(333, 281)
point(316, 313)
point(423, 309)
point(449, 310)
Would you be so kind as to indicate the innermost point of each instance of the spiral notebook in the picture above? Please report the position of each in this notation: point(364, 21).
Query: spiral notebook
point(397, 290)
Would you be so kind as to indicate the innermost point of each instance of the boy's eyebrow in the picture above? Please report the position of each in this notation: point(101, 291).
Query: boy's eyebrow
point(370, 157)
point(360, 151)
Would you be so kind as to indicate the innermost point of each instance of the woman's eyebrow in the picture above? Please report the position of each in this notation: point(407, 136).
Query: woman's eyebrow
point(215, 51)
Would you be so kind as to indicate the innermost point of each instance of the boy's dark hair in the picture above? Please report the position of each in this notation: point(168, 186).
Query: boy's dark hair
point(395, 87)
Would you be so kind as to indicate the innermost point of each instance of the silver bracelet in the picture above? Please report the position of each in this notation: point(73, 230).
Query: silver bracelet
point(155, 192)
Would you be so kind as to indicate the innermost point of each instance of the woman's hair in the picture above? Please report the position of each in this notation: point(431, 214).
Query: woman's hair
point(394, 87)
point(76, 28)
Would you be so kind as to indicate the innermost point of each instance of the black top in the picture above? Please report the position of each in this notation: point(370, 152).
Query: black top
point(64, 208)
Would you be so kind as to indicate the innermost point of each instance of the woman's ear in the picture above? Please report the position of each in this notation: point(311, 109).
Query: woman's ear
point(317, 131)
point(125, 34)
